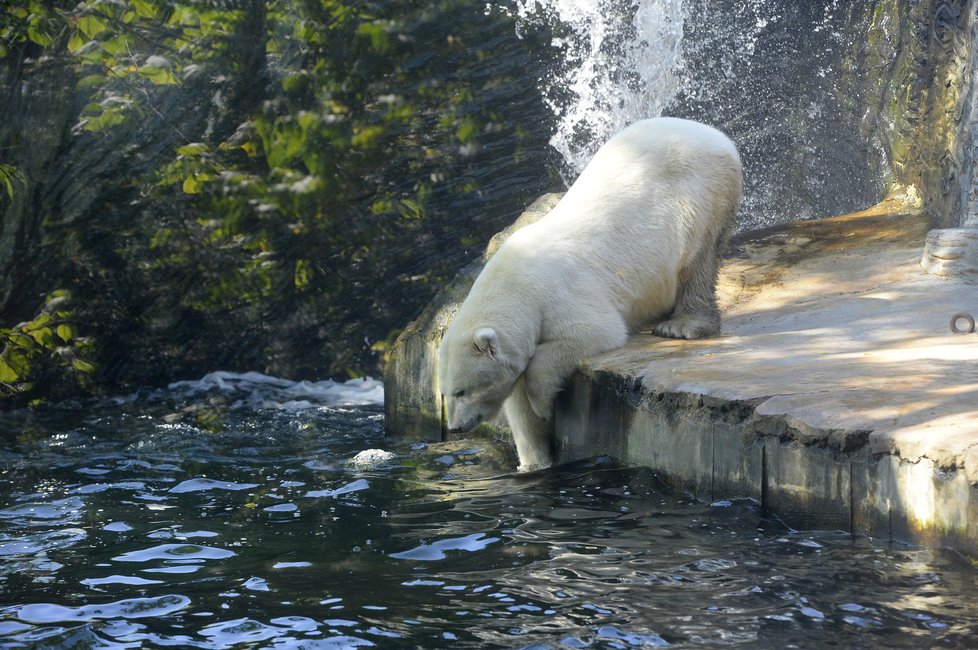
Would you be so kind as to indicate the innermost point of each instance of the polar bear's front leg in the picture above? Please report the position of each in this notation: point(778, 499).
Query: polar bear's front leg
point(553, 362)
point(551, 365)
point(532, 434)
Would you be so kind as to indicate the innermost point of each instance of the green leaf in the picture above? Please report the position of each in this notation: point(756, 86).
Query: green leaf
point(7, 374)
point(308, 120)
point(76, 42)
point(379, 40)
point(465, 131)
point(145, 8)
point(117, 46)
point(89, 81)
point(411, 209)
point(191, 185)
point(21, 342)
point(83, 366)
point(37, 35)
point(303, 274)
point(66, 332)
point(367, 137)
point(192, 149)
point(17, 361)
point(91, 26)
point(8, 174)
point(44, 336)
point(159, 76)
point(40, 321)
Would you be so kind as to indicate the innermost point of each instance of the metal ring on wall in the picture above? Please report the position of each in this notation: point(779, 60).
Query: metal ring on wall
point(966, 317)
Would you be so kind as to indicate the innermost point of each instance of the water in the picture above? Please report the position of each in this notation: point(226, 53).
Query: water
point(779, 83)
point(244, 511)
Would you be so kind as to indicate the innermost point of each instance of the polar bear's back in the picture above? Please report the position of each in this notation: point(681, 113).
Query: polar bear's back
point(662, 182)
point(649, 167)
point(639, 213)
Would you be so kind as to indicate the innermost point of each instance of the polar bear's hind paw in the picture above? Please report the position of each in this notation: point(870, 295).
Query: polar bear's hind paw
point(687, 327)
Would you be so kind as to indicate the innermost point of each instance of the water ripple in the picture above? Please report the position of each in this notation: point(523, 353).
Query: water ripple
point(128, 609)
point(243, 630)
point(205, 484)
point(56, 511)
point(175, 552)
point(409, 556)
point(355, 486)
point(437, 550)
point(119, 580)
point(34, 543)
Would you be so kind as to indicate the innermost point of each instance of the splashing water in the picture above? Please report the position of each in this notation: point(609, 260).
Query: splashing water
point(622, 61)
point(257, 391)
point(772, 80)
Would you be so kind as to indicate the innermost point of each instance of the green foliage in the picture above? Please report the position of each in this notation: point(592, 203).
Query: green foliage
point(48, 348)
point(9, 174)
point(284, 178)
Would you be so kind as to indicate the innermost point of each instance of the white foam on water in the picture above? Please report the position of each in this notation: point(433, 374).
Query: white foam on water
point(371, 459)
point(261, 391)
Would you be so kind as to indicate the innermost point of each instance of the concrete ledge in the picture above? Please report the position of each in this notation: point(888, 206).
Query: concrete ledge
point(952, 253)
point(837, 395)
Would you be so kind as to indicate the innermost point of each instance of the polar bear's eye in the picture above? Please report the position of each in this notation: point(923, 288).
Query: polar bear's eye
point(459, 393)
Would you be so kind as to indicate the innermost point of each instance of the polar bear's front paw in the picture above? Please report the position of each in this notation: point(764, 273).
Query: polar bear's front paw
point(533, 467)
point(687, 327)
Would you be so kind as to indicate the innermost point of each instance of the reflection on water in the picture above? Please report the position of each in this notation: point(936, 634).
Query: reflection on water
point(179, 519)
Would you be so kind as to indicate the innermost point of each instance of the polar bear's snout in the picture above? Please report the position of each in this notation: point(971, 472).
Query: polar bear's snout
point(465, 428)
point(459, 416)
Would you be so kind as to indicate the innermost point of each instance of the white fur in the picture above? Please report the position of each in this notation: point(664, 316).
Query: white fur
point(635, 240)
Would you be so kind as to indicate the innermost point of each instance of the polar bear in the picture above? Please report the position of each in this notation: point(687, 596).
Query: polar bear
point(634, 241)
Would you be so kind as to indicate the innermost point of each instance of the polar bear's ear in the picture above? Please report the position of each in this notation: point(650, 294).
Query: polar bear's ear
point(486, 341)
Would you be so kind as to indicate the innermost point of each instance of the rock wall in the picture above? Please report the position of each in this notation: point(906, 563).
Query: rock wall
point(969, 113)
point(931, 104)
point(836, 106)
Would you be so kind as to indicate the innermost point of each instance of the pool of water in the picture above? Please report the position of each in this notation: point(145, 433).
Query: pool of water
point(245, 512)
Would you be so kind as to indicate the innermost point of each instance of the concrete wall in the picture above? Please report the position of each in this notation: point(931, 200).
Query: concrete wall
point(717, 449)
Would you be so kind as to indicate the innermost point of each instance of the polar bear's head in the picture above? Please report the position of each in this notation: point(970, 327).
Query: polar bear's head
point(476, 375)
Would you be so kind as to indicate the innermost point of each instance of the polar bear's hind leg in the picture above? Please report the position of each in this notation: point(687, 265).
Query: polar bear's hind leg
point(696, 314)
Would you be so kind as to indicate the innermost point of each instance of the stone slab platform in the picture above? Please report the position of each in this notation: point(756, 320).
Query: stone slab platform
point(837, 394)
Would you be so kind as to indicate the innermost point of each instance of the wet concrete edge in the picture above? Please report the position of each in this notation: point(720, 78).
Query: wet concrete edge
point(718, 449)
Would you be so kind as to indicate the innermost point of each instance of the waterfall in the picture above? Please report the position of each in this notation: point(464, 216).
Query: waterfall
point(621, 60)
point(766, 75)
